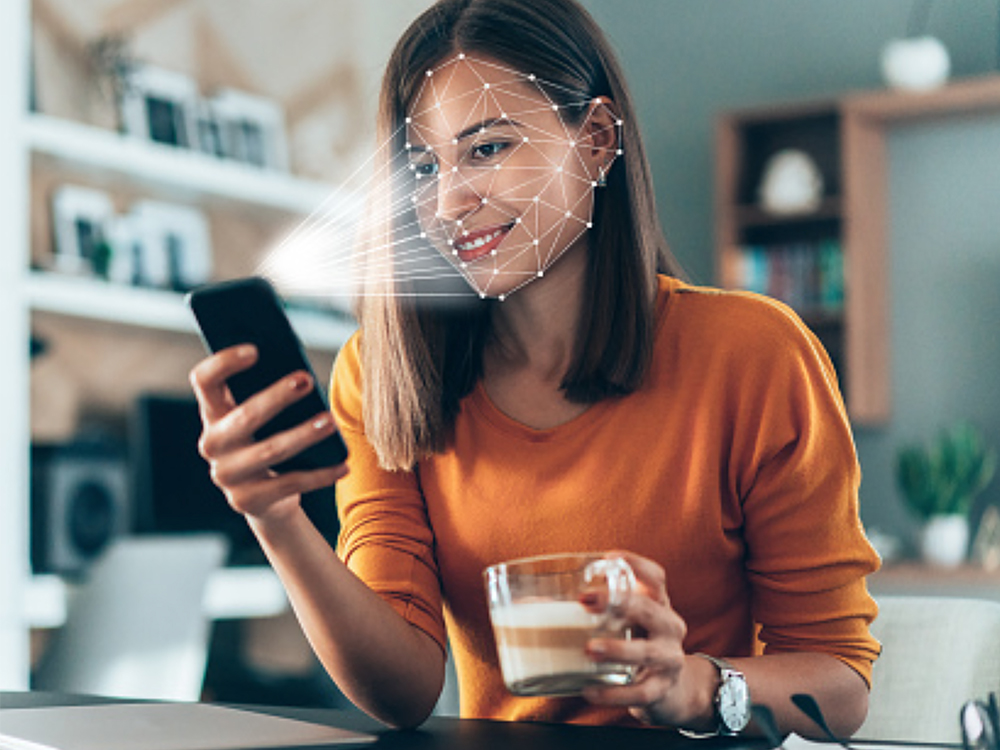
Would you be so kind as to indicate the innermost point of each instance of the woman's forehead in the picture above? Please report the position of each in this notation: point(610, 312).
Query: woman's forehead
point(465, 91)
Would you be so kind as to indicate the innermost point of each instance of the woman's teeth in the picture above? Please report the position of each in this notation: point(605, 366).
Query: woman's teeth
point(479, 241)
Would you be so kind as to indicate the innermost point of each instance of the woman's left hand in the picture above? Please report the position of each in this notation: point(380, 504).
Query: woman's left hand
point(669, 686)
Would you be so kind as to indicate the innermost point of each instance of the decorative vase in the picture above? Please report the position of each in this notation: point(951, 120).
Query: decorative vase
point(915, 64)
point(944, 540)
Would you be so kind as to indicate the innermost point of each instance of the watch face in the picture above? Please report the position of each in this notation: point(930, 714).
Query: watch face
point(734, 702)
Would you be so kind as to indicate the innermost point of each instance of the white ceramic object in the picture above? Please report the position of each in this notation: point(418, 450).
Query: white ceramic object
point(915, 64)
point(792, 183)
point(944, 540)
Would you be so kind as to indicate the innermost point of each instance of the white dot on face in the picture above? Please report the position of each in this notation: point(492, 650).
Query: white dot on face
point(534, 242)
point(454, 169)
point(493, 252)
point(464, 264)
point(455, 252)
point(559, 169)
point(568, 214)
point(486, 85)
point(497, 166)
point(531, 77)
point(409, 120)
point(541, 273)
point(618, 122)
point(525, 139)
point(459, 222)
point(461, 55)
point(485, 201)
point(555, 107)
point(590, 225)
point(517, 220)
point(413, 199)
point(593, 184)
point(619, 152)
point(423, 235)
point(430, 73)
point(502, 297)
point(536, 199)
point(454, 141)
point(496, 271)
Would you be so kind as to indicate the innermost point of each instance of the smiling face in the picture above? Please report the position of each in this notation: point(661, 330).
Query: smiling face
point(503, 184)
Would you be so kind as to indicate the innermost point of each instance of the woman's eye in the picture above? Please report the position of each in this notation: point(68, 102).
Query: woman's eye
point(424, 167)
point(487, 150)
point(428, 169)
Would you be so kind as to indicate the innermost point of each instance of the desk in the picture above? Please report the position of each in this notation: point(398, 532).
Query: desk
point(440, 733)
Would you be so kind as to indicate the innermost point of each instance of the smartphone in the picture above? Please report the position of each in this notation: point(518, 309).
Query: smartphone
point(249, 311)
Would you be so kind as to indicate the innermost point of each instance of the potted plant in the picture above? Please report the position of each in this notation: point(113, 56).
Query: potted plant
point(940, 483)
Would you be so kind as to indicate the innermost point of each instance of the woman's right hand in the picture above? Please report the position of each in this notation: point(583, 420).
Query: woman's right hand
point(240, 466)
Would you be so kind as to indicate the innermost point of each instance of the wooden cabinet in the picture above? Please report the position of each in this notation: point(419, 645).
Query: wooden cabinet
point(845, 139)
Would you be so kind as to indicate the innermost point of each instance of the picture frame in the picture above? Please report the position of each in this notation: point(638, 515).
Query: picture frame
point(252, 129)
point(81, 219)
point(160, 105)
point(175, 245)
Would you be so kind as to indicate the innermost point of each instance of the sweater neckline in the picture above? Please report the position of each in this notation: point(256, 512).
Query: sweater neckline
point(480, 400)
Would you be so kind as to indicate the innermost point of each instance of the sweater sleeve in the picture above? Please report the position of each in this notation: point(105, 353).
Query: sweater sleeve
point(385, 536)
point(798, 479)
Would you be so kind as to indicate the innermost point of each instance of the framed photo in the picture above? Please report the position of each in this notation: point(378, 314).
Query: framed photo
point(160, 105)
point(175, 245)
point(252, 129)
point(82, 218)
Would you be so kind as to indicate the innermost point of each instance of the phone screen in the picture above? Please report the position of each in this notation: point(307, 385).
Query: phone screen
point(249, 311)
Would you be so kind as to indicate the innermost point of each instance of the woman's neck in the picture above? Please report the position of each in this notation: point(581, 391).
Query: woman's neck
point(536, 328)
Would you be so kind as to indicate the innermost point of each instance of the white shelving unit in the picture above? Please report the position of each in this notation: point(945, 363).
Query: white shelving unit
point(101, 154)
point(34, 141)
point(93, 299)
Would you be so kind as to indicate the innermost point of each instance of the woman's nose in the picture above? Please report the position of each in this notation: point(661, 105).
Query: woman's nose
point(457, 196)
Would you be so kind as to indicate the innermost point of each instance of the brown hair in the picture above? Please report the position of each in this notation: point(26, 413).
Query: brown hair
point(419, 359)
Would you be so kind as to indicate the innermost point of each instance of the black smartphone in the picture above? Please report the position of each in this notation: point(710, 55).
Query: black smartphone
point(249, 311)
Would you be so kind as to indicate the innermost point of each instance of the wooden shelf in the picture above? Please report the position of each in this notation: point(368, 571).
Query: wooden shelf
point(747, 216)
point(93, 299)
point(846, 138)
point(917, 579)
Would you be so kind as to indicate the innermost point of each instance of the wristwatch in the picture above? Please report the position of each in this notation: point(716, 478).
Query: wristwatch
point(732, 699)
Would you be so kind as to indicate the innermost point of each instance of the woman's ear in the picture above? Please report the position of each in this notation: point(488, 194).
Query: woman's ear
point(602, 128)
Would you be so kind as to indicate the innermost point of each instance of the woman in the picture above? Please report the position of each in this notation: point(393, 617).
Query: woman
point(580, 402)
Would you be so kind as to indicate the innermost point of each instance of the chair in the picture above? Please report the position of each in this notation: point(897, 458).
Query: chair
point(937, 652)
point(137, 627)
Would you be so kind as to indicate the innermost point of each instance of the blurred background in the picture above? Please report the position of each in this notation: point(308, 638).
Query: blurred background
point(152, 145)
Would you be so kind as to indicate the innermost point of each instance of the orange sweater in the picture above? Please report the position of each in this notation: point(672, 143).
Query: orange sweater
point(733, 467)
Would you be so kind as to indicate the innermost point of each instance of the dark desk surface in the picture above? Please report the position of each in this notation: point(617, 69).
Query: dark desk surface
point(440, 733)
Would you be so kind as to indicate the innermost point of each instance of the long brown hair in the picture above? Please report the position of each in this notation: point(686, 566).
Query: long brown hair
point(419, 359)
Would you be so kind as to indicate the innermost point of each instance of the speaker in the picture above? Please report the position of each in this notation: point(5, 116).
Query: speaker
point(79, 504)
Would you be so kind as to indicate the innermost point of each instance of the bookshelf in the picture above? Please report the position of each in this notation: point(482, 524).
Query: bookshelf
point(846, 140)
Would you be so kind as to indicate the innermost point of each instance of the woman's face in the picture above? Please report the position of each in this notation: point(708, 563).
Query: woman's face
point(503, 187)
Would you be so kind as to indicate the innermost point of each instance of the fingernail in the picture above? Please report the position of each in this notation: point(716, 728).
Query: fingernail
point(322, 421)
point(247, 351)
point(299, 383)
point(596, 648)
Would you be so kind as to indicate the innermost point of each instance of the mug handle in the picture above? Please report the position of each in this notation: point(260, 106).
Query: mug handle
point(620, 581)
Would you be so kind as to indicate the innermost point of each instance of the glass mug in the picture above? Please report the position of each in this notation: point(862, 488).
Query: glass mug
point(542, 629)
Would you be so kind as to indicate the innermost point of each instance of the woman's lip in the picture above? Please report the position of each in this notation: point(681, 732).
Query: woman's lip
point(475, 245)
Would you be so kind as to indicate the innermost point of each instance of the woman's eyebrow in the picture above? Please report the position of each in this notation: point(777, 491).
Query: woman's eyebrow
point(489, 122)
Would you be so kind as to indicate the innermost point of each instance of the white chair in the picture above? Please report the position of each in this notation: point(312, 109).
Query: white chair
point(937, 653)
point(137, 626)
